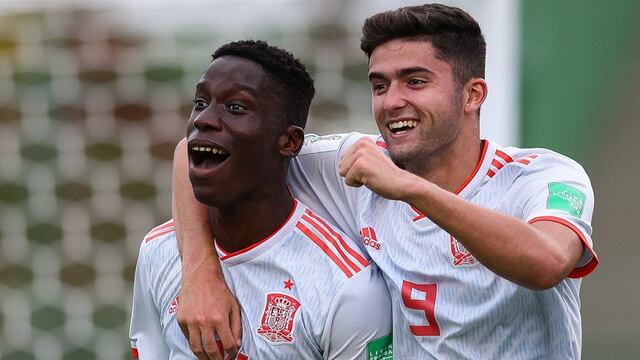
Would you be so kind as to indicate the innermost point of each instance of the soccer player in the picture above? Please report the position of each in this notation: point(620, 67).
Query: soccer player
point(305, 290)
point(482, 246)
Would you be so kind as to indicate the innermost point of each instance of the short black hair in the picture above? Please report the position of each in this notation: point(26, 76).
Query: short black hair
point(455, 35)
point(294, 85)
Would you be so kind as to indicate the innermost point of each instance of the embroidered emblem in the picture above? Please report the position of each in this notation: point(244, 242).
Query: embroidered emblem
point(288, 284)
point(461, 256)
point(276, 325)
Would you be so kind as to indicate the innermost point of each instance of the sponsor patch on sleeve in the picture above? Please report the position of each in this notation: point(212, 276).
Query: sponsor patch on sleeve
point(566, 198)
point(380, 348)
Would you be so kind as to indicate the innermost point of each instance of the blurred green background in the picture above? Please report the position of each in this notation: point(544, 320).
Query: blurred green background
point(94, 96)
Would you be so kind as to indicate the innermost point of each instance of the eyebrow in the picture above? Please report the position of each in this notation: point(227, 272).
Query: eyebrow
point(402, 72)
point(236, 87)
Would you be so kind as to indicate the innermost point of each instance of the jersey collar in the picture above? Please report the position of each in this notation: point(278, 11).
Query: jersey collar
point(262, 246)
point(468, 188)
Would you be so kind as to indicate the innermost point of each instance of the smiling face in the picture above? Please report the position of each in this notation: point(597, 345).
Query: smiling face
point(416, 102)
point(233, 132)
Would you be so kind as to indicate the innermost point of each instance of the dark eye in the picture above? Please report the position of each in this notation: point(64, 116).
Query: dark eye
point(416, 81)
point(199, 104)
point(236, 108)
point(378, 87)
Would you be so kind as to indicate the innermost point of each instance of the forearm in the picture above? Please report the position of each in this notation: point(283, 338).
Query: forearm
point(525, 254)
point(191, 219)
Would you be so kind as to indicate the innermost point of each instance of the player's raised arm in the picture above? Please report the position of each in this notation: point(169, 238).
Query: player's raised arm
point(207, 307)
point(536, 255)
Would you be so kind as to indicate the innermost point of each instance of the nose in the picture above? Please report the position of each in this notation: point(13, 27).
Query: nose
point(394, 97)
point(208, 119)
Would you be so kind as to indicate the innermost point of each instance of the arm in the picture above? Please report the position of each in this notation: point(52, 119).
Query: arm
point(207, 306)
point(552, 250)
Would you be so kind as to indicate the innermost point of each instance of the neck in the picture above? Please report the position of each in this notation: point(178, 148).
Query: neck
point(251, 220)
point(452, 165)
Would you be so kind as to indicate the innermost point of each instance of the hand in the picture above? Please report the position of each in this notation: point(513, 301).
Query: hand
point(208, 308)
point(364, 164)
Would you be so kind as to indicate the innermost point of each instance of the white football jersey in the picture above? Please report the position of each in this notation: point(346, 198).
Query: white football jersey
point(447, 305)
point(305, 292)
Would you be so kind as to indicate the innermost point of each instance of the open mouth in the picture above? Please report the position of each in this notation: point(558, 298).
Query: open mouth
point(207, 156)
point(400, 127)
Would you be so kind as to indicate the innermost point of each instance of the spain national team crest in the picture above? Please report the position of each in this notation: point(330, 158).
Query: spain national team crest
point(277, 320)
point(461, 256)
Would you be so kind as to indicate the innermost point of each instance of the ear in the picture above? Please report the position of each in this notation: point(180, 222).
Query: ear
point(290, 141)
point(475, 92)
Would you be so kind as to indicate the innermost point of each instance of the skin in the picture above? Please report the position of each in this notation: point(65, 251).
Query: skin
point(438, 155)
point(234, 110)
point(429, 163)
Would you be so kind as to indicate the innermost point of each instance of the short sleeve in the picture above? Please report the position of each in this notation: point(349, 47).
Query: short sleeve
point(359, 325)
point(314, 179)
point(557, 189)
point(145, 333)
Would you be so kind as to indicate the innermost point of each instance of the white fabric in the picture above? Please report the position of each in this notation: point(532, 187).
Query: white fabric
point(344, 303)
point(479, 314)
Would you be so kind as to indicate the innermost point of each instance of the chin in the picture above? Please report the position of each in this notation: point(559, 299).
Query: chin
point(204, 197)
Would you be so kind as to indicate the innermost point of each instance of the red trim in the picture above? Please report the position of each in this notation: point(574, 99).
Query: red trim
point(324, 248)
point(157, 234)
point(420, 214)
point(585, 269)
point(491, 172)
point(504, 156)
point(333, 241)
point(134, 353)
point(349, 249)
point(485, 145)
point(523, 161)
point(381, 144)
point(163, 226)
point(497, 164)
point(242, 251)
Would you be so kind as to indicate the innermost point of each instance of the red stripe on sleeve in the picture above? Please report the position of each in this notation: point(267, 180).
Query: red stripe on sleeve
point(158, 234)
point(134, 353)
point(333, 241)
point(588, 267)
point(351, 251)
point(504, 156)
point(324, 248)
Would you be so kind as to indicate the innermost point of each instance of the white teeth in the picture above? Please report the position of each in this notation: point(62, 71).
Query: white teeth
point(401, 124)
point(213, 150)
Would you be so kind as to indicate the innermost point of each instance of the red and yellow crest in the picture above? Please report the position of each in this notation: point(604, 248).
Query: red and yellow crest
point(277, 320)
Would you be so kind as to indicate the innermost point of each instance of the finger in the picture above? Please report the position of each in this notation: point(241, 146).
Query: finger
point(210, 346)
point(196, 344)
point(236, 324)
point(228, 341)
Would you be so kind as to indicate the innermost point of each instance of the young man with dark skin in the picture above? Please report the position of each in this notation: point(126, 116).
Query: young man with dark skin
point(482, 246)
point(305, 290)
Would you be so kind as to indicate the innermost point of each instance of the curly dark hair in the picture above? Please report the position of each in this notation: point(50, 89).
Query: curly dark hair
point(454, 34)
point(294, 85)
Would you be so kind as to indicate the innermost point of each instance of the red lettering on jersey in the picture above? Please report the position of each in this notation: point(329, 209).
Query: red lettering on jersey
point(369, 238)
point(277, 322)
point(173, 308)
point(428, 305)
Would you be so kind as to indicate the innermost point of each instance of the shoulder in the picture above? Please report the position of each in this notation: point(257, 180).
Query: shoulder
point(333, 248)
point(315, 144)
point(159, 245)
point(538, 162)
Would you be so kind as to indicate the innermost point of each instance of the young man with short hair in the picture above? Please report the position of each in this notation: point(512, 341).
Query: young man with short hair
point(482, 246)
point(305, 290)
